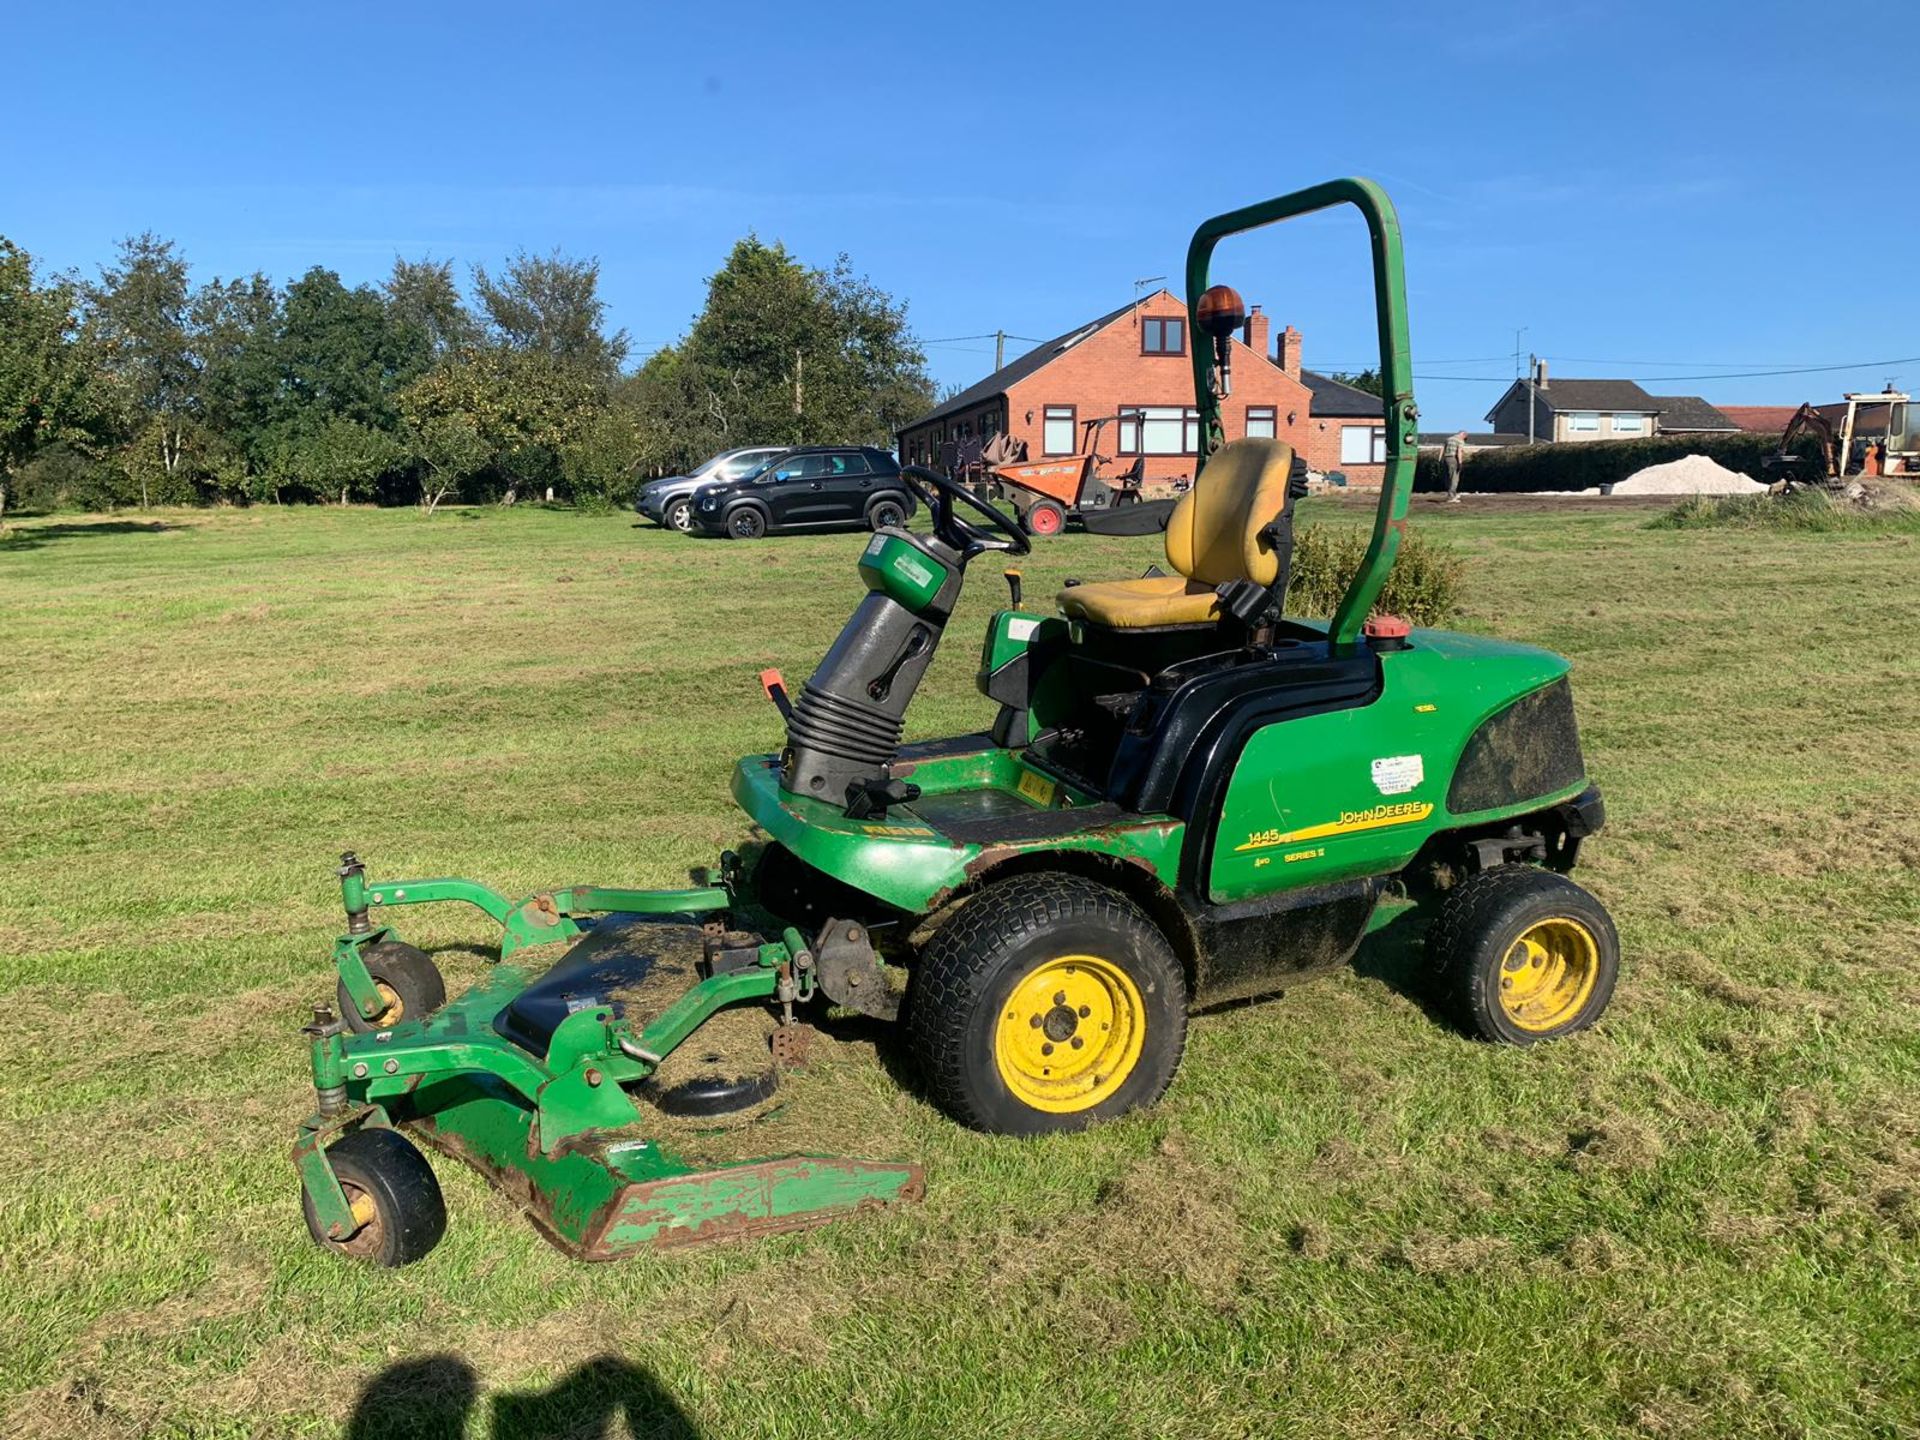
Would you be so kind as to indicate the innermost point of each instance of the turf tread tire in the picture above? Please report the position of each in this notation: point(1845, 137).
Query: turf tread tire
point(1478, 922)
point(983, 948)
point(409, 972)
point(409, 1208)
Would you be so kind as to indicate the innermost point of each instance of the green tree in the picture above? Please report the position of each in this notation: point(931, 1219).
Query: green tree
point(525, 406)
point(46, 377)
point(139, 313)
point(1367, 380)
point(785, 354)
point(550, 305)
point(234, 329)
point(449, 450)
point(423, 302)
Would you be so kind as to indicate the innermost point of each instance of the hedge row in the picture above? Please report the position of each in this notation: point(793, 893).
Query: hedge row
point(1582, 465)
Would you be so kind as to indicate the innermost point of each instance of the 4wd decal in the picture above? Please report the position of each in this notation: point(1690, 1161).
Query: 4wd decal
point(1377, 817)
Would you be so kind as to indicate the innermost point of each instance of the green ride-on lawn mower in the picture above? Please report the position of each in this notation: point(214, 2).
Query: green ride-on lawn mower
point(1186, 797)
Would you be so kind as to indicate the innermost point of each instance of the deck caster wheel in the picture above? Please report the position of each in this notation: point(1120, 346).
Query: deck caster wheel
point(396, 1200)
point(408, 981)
point(1046, 1003)
point(1524, 954)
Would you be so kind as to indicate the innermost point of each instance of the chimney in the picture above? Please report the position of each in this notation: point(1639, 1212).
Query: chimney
point(1540, 374)
point(1288, 357)
point(1254, 332)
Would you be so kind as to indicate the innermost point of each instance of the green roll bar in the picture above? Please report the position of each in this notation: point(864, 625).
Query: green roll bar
point(1396, 367)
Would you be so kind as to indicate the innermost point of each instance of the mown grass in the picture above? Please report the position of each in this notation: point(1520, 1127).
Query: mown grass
point(1701, 1219)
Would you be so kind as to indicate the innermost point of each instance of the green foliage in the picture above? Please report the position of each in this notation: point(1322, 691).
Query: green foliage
point(1424, 585)
point(550, 305)
point(1584, 465)
point(47, 390)
point(1888, 506)
point(783, 354)
point(599, 461)
point(1367, 380)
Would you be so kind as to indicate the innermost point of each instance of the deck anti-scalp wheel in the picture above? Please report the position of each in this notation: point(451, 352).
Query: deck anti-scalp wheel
point(408, 981)
point(1045, 1003)
point(396, 1201)
point(1525, 954)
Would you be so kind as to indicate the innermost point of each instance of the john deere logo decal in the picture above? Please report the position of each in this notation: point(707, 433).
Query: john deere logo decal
point(1351, 822)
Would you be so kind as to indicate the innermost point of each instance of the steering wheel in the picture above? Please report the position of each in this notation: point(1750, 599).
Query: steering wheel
point(956, 530)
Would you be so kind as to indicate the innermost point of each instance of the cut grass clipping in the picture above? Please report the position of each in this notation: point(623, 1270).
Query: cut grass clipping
point(1700, 1219)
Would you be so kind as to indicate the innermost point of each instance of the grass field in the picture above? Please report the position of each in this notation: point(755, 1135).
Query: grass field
point(1702, 1218)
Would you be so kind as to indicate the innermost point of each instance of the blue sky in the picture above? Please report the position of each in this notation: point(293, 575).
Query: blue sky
point(1652, 190)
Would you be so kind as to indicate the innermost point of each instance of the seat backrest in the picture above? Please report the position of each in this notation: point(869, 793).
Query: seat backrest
point(1214, 534)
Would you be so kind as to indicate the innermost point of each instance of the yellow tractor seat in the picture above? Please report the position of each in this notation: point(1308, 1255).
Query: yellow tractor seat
point(1216, 534)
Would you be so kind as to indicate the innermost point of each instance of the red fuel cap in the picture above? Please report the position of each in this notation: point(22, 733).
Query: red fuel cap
point(1386, 627)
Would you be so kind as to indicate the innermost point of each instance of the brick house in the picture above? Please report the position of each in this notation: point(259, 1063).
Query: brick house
point(1135, 364)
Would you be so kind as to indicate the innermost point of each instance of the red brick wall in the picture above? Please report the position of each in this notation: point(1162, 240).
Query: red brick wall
point(1323, 450)
point(1107, 370)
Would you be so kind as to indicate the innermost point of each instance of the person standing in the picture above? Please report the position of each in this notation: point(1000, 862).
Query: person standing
point(1453, 452)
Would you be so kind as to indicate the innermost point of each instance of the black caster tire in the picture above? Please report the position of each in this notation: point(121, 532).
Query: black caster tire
point(394, 1195)
point(1046, 1003)
point(409, 981)
point(1524, 955)
point(1044, 518)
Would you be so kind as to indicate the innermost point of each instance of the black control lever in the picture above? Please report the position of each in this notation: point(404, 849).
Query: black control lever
point(776, 689)
point(1013, 587)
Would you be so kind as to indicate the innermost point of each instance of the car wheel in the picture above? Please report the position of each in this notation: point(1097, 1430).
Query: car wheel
point(746, 523)
point(678, 515)
point(885, 513)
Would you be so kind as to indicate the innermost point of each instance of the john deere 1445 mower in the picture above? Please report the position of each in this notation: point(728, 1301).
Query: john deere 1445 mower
point(1187, 796)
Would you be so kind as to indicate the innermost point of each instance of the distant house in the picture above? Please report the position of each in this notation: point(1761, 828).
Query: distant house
point(1759, 419)
point(1690, 415)
point(1134, 365)
point(1576, 410)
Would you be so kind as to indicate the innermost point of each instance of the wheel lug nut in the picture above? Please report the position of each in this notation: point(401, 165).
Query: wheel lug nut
point(1078, 1042)
point(1085, 1011)
point(1507, 984)
point(1047, 1049)
point(1059, 997)
point(1035, 1022)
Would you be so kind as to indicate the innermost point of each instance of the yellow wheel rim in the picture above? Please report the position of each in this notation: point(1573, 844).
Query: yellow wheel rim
point(1070, 1033)
point(1548, 974)
point(396, 1008)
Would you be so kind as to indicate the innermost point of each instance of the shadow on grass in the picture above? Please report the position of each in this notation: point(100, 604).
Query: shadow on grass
point(1396, 956)
point(435, 1397)
point(32, 537)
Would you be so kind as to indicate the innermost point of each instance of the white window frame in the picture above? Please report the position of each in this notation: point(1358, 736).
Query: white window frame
point(1051, 416)
point(1267, 416)
point(1583, 422)
point(1363, 444)
point(1632, 424)
point(1152, 430)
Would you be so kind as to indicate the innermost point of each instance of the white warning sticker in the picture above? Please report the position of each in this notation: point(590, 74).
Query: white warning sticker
point(1397, 774)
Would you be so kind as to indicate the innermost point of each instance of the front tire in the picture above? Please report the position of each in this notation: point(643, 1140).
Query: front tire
point(885, 513)
point(408, 981)
point(395, 1198)
point(1525, 955)
point(746, 523)
point(1046, 1003)
point(678, 515)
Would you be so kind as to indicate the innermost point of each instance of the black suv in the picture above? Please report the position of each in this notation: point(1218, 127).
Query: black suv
point(809, 488)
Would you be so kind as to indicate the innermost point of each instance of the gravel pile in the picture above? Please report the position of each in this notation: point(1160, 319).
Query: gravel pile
point(1689, 475)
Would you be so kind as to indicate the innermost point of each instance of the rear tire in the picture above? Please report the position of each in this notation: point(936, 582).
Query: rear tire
point(1045, 518)
point(394, 1194)
point(1046, 1003)
point(407, 977)
point(746, 523)
point(883, 513)
point(678, 515)
point(1524, 954)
